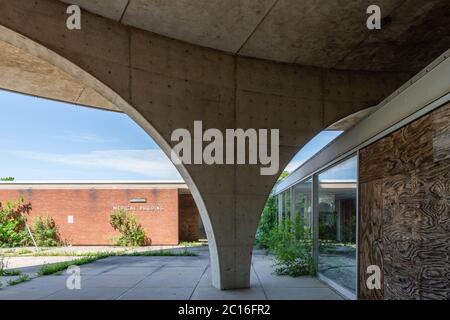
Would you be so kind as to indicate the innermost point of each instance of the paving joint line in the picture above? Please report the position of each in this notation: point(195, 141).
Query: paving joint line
point(198, 282)
point(139, 282)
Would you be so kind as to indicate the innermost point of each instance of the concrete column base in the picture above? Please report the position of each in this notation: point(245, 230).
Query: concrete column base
point(234, 269)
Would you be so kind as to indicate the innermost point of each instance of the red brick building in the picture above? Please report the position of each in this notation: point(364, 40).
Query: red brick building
point(81, 210)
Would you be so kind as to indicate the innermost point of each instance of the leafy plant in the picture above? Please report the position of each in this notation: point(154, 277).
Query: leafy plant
point(45, 232)
point(13, 231)
point(7, 179)
point(57, 267)
point(10, 273)
point(7, 273)
point(22, 278)
point(268, 218)
point(132, 233)
point(267, 223)
point(291, 244)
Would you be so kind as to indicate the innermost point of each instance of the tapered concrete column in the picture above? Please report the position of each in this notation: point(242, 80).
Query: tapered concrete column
point(164, 84)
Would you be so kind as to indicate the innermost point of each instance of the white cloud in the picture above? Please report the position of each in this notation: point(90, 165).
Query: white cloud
point(152, 163)
point(87, 137)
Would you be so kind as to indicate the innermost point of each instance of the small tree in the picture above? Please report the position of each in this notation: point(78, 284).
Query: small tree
point(268, 218)
point(7, 179)
point(267, 222)
point(46, 232)
point(291, 244)
point(13, 231)
point(132, 233)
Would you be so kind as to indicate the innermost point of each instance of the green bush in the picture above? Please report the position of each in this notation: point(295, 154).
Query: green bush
point(45, 232)
point(267, 223)
point(291, 244)
point(13, 232)
point(132, 233)
point(268, 218)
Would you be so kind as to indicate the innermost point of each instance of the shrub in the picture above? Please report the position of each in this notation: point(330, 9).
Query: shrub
point(291, 244)
point(268, 218)
point(13, 231)
point(267, 223)
point(132, 233)
point(45, 232)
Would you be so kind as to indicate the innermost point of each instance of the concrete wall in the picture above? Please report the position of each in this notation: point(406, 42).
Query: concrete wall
point(164, 84)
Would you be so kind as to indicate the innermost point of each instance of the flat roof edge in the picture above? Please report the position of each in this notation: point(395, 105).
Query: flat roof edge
point(396, 110)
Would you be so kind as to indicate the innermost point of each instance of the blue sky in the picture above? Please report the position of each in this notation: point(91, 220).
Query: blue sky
point(47, 140)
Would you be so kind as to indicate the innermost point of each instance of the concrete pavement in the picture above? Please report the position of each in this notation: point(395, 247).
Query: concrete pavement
point(180, 278)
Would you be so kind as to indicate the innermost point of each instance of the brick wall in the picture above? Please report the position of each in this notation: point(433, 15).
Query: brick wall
point(91, 209)
point(189, 218)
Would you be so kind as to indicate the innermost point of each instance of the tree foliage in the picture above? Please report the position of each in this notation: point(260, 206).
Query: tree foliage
point(13, 231)
point(45, 232)
point(132, 233)
point(289, 241)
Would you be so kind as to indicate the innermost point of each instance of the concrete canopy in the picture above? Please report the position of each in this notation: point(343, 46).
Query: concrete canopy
point(165, 84)
point(330, 34)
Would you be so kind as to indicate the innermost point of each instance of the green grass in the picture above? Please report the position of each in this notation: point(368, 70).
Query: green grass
point(73, 254)
point(57, 267)
point(15, 253)
point(161, 253)
point(193, 244)
point(22, 278)
point(155, 253)
point(91, 257)
point(9, 273)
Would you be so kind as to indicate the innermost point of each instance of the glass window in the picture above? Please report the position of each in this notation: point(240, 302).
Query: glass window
point(337, 223)
point(280, 207)
point(286, 204)
point(303, 204)
point(314, 145)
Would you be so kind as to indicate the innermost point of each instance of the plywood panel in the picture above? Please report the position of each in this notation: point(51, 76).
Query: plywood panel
point(370, 241)
point(405, 210)
point(399, 152)
point(441, 133)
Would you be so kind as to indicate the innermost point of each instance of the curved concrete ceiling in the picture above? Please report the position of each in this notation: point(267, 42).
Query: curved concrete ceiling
point(31, 75)
point(331, 34)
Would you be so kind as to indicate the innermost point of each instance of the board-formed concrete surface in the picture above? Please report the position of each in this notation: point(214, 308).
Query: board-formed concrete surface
point(319, 33)
point(126, 57)
point(165, 84)
point(180, 278)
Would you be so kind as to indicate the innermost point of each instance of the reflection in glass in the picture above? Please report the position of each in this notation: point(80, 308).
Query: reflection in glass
point(303, 203)
point(287, 204)
point(337, 224)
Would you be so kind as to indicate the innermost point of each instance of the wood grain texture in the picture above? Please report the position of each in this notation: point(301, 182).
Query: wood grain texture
point(441, 133)
point(370, 246)
point(405, 210)
point(401, 151)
